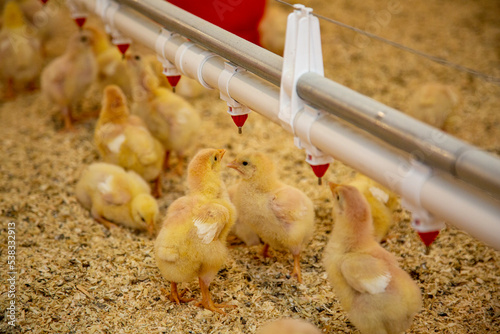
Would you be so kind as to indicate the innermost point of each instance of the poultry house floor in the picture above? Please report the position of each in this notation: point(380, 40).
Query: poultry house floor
point(74, 276)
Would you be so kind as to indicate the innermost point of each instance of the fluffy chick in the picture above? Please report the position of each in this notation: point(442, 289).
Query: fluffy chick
point(281, 215)
point(288, 326)
point(192, 240)
point(20, 51)
point(112, 69)
point(382, 203)
point(433, 103)
point(378, 296)
point(67, 77)
point(186, 87)
point(124, 139)
point(114, 195)
point(169, 117)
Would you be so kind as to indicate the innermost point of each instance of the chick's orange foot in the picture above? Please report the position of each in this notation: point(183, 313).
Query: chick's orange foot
point(296, 268)
point(174, 295)
point(207, 303)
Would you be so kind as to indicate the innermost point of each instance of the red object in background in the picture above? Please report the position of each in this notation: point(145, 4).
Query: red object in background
point(241, 17)
point(239, 120)
point(123, 47)
point(320, 170)
point(173, 80)
point(428, 237)
point(80, 21)
point(44, 1)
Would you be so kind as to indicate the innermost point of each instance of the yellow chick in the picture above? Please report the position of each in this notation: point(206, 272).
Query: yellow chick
point(192, 240)
point(49, 21)
point(67, 77)
point(20, 52)
point(114, 195)
point(288, 326)
point(382, 203)
point(186, 87)
point(433, 103)
point(378, 296)
point(281, 215)
point(169, 117)
point(124, 139)
point(112, 69)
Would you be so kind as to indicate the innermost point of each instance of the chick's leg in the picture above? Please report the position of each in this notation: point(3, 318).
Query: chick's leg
point(174, 296)
point(265, 251)
point(10, 92)
point(296, 268)
point(68, 119)
point(179, 169)
point(166, 161)
point(109, 225)
point(157, 190)
point(207, 302)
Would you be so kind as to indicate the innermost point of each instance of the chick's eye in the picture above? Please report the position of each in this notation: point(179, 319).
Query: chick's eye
point(245, 163)
point(338, 197)
point(143, 220)
point(83, 39)
point(215, 158)
point(137, 57)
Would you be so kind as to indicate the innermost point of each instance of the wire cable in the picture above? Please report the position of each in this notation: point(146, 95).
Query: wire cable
point(438, 60)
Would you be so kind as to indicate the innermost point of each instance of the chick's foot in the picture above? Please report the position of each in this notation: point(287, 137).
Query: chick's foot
point(174, 295)
point(207, 303)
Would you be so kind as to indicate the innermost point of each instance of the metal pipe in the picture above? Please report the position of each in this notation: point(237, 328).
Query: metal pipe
point(444, 196)
point(428, 144)
point(255, 59)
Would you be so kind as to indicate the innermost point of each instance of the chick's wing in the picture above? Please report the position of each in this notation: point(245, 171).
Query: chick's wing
point(365, 273)
point(288, 205)
point(210, 220)
point(141, 143)
point(113, 192)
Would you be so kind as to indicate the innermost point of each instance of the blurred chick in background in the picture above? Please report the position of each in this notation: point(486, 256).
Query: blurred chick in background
point(192, 240)
point(124, 139)
point(377, 295)
point(112, 69)
point(114, 195)
point(382, 203)
point(170, 118)
point(66, 78)
point(433, 103)
point(281, 215)
point(288, 326)
point(20, 52)
point(186, 87)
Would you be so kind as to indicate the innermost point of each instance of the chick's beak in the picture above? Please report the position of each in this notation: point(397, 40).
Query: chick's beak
point(150, 227)
point(221, 153)
point(333, 186)
point(233, 164)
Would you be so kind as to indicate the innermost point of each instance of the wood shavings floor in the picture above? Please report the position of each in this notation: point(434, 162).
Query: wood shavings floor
point(74, 276)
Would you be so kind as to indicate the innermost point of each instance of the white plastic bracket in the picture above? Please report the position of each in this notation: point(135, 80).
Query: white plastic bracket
point(411, 188)
point(193, 66)
point(107, 10)
point(76, 10)
point(169, 68)
point(302, 54)
point(235, 108)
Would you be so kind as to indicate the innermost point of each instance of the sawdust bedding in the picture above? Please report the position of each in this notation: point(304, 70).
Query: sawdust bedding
point(74, 276)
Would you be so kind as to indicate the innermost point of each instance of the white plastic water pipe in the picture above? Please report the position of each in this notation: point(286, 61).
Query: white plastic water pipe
point(444, 196)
